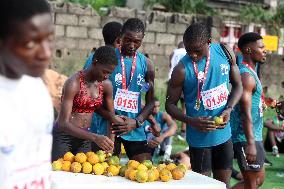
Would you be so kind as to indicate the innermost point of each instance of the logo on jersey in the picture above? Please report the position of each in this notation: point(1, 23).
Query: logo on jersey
point(224, 69)
point(118, 79)
point(140, 80)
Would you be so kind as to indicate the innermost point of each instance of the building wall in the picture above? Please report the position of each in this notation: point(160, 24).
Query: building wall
point(79, 29)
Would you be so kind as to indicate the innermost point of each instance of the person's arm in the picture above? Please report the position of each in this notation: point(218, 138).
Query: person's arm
point(245, 109)
point(174, 91)
point(172, 127)
point(270, 125)
point(237, 88)
point(71, 88)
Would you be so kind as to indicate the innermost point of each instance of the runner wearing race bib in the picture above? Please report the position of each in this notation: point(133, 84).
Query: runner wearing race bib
point(247, 119)
point(26, 111)
point(133, 75)
point(203, 76)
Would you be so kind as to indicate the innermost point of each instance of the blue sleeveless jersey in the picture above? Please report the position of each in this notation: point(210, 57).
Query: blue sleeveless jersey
point(135, 86)
point(89, 61)
point(159, 118)
point(218, 75)
point(238, 134)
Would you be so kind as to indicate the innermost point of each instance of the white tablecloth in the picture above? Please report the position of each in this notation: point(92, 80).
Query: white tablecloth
point(192, 180)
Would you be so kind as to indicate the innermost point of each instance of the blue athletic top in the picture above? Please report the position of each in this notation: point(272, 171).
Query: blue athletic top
point(218, 75)
point(135, 86)
point(89, 60)
point(238, 134)
point(159, 118)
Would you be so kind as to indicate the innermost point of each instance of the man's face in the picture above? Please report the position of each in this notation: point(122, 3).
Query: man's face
point(32, 42)
point(156, 107)
point(131, 41)
point(197, 50)
point(257, 51)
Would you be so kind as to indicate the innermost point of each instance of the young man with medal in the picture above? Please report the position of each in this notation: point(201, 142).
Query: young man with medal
point(204, 76)
point(247, 119)
point(133, 76)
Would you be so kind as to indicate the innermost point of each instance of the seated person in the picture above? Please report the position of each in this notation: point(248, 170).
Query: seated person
point(275, 134)
point(182, 157)
point(83, 94)
point(163, 143)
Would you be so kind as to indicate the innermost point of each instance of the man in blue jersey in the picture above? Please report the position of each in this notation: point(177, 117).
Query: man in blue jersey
point(204, 76)
point(111, 34)
point(133, 76)
point(168, 127)
point(247, 120)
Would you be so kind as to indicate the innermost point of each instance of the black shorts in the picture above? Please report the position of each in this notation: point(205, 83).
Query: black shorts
point(63, 142)
point(215, 157)
point(239, 150)
point(132, 148)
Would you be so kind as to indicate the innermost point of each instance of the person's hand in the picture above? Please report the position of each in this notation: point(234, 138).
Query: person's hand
point(250, 152)
point(225, 115)
point(204, 124)
point(118, 120)
point(130, 124)
point(103, 142)
point(152, 143)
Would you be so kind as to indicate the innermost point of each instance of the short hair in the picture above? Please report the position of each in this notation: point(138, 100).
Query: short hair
point(133, 24)
point(14, 11)
point(105, 55)
point(111, 31)
point(247, 38)
point(197, 32)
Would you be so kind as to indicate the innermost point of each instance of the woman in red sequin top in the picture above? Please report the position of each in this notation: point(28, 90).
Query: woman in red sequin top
point(82, 95)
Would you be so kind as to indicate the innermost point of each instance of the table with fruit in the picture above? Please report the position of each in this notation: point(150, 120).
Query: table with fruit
point(102, 169)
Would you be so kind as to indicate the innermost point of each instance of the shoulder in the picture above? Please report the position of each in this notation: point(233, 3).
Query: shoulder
point(107, 84)
point(248, 81)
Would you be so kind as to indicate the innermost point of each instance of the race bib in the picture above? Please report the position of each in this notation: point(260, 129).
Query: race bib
point(215, 98)
point(39, 182)
point(126, 101)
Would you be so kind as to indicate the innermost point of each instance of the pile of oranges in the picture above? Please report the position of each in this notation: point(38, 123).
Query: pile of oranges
point(101, 163)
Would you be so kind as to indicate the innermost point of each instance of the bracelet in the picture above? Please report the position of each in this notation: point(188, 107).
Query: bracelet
point(138, 123)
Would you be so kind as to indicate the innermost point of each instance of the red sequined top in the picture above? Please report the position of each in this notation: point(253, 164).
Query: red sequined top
point(82, 102)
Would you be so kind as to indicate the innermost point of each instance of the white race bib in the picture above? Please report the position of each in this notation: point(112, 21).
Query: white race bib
point(31, 182)
point(126, 101)
point(215, 98)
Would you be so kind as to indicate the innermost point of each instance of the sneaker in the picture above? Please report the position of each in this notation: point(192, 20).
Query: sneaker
point(267, 163)
point(275, 151)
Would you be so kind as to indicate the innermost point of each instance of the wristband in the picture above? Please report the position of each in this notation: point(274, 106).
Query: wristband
point(138, 123)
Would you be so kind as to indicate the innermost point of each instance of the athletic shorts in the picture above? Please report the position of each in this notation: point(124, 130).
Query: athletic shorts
point(132, 148)
point(239, 150)
point(218, 157)
point(63, 142)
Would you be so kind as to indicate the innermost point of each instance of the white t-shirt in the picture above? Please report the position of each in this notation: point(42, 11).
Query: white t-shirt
point(25, 133)
point(177, 56)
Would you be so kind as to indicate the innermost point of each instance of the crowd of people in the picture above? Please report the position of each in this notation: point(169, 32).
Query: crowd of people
point(111, 101)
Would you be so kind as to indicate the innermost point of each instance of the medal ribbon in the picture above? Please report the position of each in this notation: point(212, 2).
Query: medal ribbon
point(133, 67)
point(204, 76)
point(251, 69)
